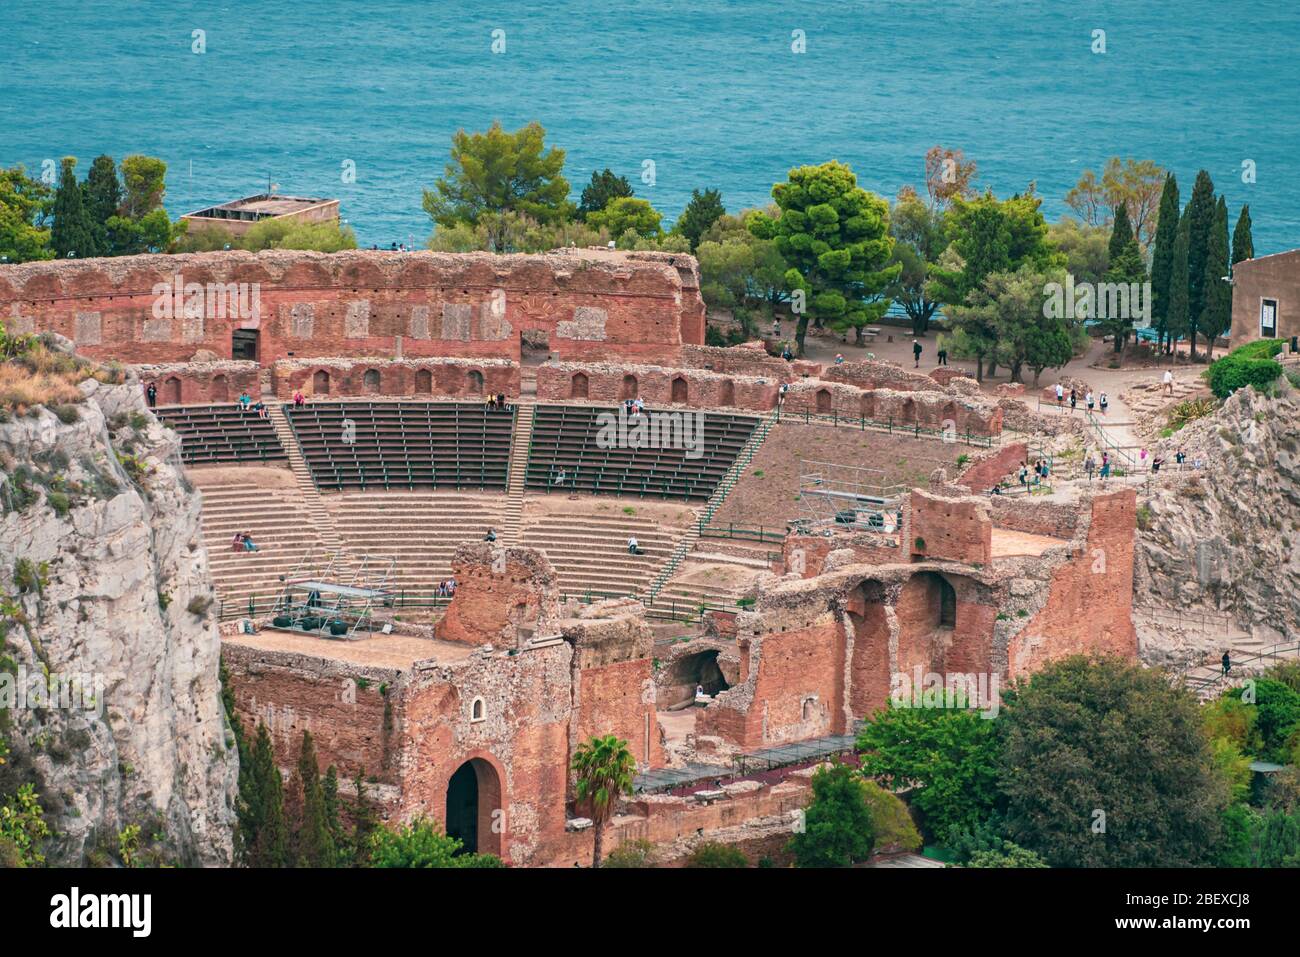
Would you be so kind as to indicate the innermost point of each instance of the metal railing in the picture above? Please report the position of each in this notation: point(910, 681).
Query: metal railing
point(862, 423)
point(742, 533)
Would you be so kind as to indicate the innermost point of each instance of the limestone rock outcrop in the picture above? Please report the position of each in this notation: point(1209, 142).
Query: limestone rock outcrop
point(1224, 537)
point(105, 584)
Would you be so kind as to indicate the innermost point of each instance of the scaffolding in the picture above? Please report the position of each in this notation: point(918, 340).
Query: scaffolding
point(336, 599)
point(847, 497)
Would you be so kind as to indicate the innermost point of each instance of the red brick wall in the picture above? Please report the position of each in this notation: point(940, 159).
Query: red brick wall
point(873, 374)
point(490, 604)
point(929, 410)
point(1089, 606)
point(360, 303)
point(747, 360)
point(815, 548)
point(448, 378)
point(201, 383)
point(957, 529)
point(991, 469)
point(655, 386)
point(612, 700)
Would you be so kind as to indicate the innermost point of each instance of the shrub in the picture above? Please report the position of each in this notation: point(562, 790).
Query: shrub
point(838, 829)
point(1011, 855)
point(59, 502)
point(199, 605)
point(630, 854)
point(1187, 410)
point(716, 854)
point(29, 576)
point(890, 820)
point(1248, 365)
point(422, 844)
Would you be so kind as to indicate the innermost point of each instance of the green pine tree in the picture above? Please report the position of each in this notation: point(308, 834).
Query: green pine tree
point(1178, 318)
point(1162, 256)
point(266, 844)
point(1126, 268)
point(1243, 246)
point(703, 210)
point(330, 793)
point(72, 232)
point(366, 821)
point(605, 185)
point(1216, 315)
point(1200, 210)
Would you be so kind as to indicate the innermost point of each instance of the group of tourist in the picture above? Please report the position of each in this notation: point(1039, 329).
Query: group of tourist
point(447, 588)
point(243, 542)
point(1041, 471)
point(1098, 403)
point(497, 402)
point(633, 407)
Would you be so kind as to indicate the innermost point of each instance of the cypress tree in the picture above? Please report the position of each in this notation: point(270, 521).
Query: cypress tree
point(1200, 210)
point(103, 197)
point(1121, 232)
point(333, 823)
point(314, 845)
point(1126, 267)
point(1243, 246)
point(363, 813)
point(703, 210)
point(268, 846)
point(1162, 255)
point(1216, 314)
point(72, 230)
point(1178, 318)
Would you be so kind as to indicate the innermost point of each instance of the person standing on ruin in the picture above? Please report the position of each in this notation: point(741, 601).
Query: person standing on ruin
point(1089, 466)
point(151, 394)
point(1088, 401)
point(1074, 399)
point(1060, 394)
point(916, 353)
point(1169, 382)
point(1227, 664)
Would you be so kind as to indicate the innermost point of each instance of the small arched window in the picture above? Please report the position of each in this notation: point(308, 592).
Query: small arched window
point(477, 710)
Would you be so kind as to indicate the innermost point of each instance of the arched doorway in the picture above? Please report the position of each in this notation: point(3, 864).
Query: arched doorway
point(698, 670)
point(320, 383)
point(727, 393)
point(370, 381)
point(170, 393)
point(474, 380)
point(823, 401)
point(473, 803)
point(679, 390)
point(927, 613)
point(628, 391)
point(423, 382)
point(578, 386)
point(220, 389)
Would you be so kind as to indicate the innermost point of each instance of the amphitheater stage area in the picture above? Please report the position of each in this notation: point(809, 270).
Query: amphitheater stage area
point(378, 651)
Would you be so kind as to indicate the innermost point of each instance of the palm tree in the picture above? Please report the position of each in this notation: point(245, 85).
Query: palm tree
point(603, 770)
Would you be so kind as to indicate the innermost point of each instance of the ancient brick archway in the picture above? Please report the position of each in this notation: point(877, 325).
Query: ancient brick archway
point(680, 390)
point(628, 391)
point(727, 393)
point(689, 672)
point(823, 401)
point(474, 812)
point(170, 393)
point(869, 667)
point(220, 389)
point(320, 383)
point(370, 381)
point(423, 382)
point(474, 381)
point(927, 617)
point(578, 386)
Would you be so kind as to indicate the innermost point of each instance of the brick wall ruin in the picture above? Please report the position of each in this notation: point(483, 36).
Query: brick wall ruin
point(201, 383)
point(657, 386)
point(450, 378)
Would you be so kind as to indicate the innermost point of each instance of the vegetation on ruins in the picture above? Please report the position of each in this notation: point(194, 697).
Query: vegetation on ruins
point(635, 853)
point(326, 237)
point(1250, 365)
point(26, 205)
point(603, 769)
point(626, 214)
point(837, 829)
point(716, 854)
point(835, 237)
point(423, 844)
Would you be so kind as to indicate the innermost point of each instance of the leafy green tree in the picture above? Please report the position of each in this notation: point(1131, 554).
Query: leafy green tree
point(835, 237)
point(1200, 215)
point(1126, 268)
point(1162, 256)
point(837, 829)
point(891, 823)
point(145, 181)
point(1277, 710)
point(1243, 246)
point(366, 822)
point(333, 822)
point(1134, 184)
point(988, 235)
point(1227, 717)
point(314, 844)
point(1084, 781)
point(948, 756)
point(422, 844)
point(72, 231)
point(497, 173)
point(1012, 855)
point(325, 237)
point(603, 769)
point(716, 854)
point(702, 211)
point(1086, 249)
point(25, 206)
point(1216, 313)
point(1015, 323)
point(1178, 314)
point(604, 186)
point(919, 241)
point(264, 837)
point(624, 214)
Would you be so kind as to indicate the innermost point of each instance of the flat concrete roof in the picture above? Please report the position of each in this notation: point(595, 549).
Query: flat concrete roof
point(1012, 544)
point(261, 206)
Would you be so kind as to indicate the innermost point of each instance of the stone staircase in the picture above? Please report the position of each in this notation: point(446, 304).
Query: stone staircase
point(519, 449)
point(329, 539)
point(589, 552)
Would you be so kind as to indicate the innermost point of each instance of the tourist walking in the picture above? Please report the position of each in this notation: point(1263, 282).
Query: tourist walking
point(633, 548)
point(1102, 402)
point(1087, 400)
point(1227, 663)
point(1074, 400)
point(1089, 466)
point(151, 394)
point(1105, 466)
point(916, 353)
point(1169, 382)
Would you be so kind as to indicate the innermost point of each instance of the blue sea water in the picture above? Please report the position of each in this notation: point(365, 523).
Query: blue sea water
point(709, 91)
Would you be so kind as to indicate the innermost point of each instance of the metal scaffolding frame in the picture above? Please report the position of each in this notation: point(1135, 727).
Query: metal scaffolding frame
point(336, 600)
point(848, 496)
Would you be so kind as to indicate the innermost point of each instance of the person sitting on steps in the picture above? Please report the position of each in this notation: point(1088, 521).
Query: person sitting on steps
point(633, 548)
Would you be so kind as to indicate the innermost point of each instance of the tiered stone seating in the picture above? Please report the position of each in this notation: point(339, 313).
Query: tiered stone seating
point(419, 530)
point(222, 434)
point(589, 552)
point(565, 439)
point(270, 508)
point(404, 445)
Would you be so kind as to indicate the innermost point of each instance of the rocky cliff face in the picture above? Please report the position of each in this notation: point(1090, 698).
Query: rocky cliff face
point(1226, 538)
point(107, 588)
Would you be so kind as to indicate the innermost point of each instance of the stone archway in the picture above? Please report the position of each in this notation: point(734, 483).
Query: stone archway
point(685, 674)
point(681, 391)
point(727, 393)
point(927, 617)
point(628, 391)
point(220, 389)
point(823, 401)
point(423, 382)
point(170, 393)
point(320, 383)
point(371, 382)
point(578, 386)
point(474, 381)
point(473, 802)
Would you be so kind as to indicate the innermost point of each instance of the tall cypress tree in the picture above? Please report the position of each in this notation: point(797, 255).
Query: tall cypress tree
point(102, 197)
point(363, 813)
point(267, 845)
point(1216, 314)
point(1178, 317)
point(1126, 267)
point(72, 231)
point(1162, 256)
point(333, 821)
point(314, 844)
point(1200, 210)
point(1243, 246)
point(1121, 232)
